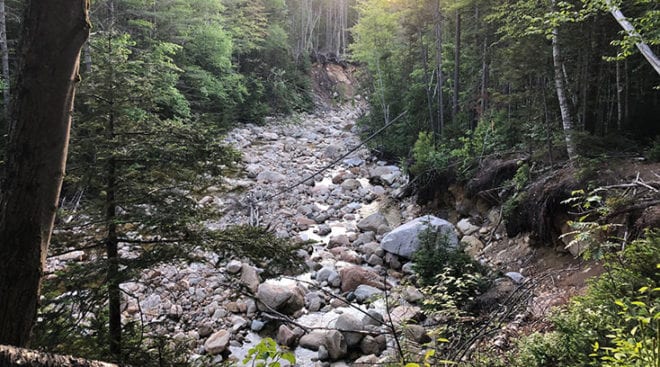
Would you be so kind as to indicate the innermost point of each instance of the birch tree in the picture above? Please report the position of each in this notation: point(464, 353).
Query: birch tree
point(564, 107)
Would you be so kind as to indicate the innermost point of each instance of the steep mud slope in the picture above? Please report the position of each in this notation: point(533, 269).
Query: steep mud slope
point(334, 83)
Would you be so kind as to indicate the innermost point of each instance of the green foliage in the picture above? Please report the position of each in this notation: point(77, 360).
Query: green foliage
point(591, 236)
point(521, 177)
point(437, 256)
point(76, 323)
point(259, 244)
point(638, 343)
point(426, 156)
point(653, 152)
point(455, 289)
point(510, 208)
point(266, 354)
point(450, 281)
point(516, 110)
point(549, 349)
point(615, 323)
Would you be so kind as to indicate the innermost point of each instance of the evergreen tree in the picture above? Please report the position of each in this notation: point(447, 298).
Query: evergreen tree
point(138, 165)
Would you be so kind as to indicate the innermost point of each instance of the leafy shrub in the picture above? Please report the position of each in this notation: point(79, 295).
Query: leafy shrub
point(522, 176)
point(454, 292)
point(437, 253)
point(618, 317)
point(638, 344)
point(266, 354)
point(426, 157)
point(448, 273)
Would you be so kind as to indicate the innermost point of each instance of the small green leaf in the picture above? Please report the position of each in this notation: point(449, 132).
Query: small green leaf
point(290, 357)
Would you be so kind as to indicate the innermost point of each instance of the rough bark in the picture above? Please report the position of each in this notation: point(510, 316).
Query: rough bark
point(427, 80)
point(18, 357)
point(485, 71)
point(619, 93)
point(4, 50)
point(112, 246)
point(53, 34)
point(457, 67)
point(440, 120)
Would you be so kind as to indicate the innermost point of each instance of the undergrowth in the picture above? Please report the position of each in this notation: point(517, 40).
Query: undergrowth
point(615, 323)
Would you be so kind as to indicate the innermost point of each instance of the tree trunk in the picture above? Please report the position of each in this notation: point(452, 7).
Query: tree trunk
point(53, 34)
point(112, 253)
point(619, 92)
point(18, 357)
point(457, 67)
point(427, 81)
point(5, 61)
point(483, 102)
point(111, 241)
point(630, 30)
point(114, 293)
point(87, 59)
point(566, 118)
point(440, 121)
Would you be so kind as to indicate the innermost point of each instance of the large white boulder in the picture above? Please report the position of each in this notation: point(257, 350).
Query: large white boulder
point(404, 240)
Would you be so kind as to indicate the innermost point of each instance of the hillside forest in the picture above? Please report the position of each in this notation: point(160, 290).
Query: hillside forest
point(330, 183)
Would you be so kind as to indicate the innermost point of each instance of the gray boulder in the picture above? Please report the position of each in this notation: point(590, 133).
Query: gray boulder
point(370, 346)
point(354, 276)
point(372, 222)
point(350, 326)
point(325, 273)
point(373, 318)
point(249, 277)
point(364, 292)
point(404, 240)
point(217, 342)
point(234, 266)
point(412, 294)
point(351, 184)
point(313, 340)
point(466, 227)
point(331, 340)
point(313, 301)
point(286, 336)
point(336, 345)
point(416, 333)
point(270, 176)
point(384, 174)
point(283, 298)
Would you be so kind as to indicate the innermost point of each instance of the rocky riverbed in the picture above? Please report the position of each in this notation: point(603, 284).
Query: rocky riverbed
point(344, 309)
point(347, 209)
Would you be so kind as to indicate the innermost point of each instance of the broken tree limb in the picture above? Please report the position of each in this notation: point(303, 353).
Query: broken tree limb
point(630, 30)
point(19, 357)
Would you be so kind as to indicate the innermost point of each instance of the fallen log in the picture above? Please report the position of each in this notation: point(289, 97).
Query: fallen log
point(19, 357)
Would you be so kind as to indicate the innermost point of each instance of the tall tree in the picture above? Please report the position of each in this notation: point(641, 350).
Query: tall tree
point(457, 66)
point(53, 34)
point(440, 120)
point(560, 84)
point(4, 51)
